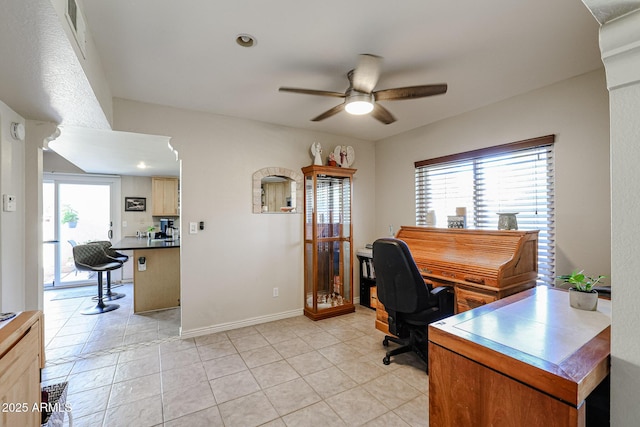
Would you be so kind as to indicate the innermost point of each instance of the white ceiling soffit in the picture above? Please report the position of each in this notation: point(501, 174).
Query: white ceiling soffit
point(40, 75)
point(117, 153)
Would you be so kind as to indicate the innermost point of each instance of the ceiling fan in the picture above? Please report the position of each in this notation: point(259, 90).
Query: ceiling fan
point(360, 98)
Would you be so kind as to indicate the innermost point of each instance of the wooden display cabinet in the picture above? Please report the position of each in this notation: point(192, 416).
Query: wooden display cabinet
point(328, 245)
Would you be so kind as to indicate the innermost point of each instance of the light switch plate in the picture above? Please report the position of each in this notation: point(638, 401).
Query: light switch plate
point(193, 228)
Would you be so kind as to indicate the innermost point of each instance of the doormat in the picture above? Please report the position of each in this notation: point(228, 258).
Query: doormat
point(74, 293)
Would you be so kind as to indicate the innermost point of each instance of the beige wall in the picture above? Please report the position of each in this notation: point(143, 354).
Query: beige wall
point(137, 186)
point(230, 268)
point(12, 224)
point(575, 110)
point(54, 163)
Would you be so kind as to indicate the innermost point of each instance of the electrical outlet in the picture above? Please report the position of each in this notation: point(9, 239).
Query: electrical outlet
point(124, 224)
point(275, 292)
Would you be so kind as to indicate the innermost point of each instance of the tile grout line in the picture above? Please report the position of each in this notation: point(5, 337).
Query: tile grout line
point(112, 350)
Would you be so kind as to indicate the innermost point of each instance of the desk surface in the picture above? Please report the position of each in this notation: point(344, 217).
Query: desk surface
point(135, 243)
point(537, 338)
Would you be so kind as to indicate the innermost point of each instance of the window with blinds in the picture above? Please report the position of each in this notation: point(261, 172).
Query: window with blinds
point(516, 177)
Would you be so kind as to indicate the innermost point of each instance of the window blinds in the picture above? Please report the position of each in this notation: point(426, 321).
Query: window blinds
point(515, 178)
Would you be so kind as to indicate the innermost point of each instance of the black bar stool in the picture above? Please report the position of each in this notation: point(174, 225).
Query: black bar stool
point(122, 258)
point(93, 258)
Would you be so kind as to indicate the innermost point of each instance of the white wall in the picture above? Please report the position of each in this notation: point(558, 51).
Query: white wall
point(619, 41)
point(230, 269)
point(90, 62)
point(12, 225)
point(575, 110)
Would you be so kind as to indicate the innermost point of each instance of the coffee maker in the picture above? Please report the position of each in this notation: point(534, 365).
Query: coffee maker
point(166, 227)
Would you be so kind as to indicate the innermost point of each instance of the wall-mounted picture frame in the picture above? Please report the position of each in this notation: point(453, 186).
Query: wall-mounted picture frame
point(135, 204)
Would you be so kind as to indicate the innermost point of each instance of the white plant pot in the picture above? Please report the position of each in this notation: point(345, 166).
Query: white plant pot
point(583, 300)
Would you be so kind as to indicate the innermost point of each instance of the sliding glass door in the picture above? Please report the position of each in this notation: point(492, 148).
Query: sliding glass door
point(76, 210)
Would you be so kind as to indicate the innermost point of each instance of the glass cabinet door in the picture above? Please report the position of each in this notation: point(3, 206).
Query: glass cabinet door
point(328, 256)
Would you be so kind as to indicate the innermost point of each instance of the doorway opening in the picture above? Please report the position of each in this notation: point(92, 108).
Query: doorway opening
point(76, 209)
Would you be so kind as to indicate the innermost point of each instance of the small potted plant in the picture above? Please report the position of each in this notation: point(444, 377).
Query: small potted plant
point(70, 216)
point(581, 293)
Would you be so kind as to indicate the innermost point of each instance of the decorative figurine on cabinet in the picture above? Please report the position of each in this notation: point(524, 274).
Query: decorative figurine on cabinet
point(344, 155)
point(316, 151)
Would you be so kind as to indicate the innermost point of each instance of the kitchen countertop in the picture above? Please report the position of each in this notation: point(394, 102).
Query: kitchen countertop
point(136, 243)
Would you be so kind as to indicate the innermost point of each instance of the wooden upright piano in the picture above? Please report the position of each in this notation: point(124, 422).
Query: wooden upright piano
point(482, 266)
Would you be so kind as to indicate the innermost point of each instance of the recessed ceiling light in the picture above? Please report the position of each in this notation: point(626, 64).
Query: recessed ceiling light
point(141, 165)
point(246, 40)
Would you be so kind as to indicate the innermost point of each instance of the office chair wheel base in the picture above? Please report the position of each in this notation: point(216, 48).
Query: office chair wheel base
point(386, 360)
point(385, 342)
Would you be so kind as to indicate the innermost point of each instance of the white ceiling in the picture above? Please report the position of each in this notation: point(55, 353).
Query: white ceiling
point(184, 54)
point(121, 153)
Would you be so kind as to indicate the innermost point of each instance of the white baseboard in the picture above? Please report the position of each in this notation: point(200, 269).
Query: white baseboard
point(239, 324)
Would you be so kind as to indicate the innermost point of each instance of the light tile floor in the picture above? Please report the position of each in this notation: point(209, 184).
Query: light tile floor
point(126, 369)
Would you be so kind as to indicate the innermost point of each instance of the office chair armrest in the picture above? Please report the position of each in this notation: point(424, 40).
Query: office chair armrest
point(445, 297)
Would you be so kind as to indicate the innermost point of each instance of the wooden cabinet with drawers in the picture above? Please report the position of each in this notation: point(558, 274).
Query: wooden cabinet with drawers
point(21, 358)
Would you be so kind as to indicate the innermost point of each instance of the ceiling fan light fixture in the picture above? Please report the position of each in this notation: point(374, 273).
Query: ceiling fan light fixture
point(359, 104)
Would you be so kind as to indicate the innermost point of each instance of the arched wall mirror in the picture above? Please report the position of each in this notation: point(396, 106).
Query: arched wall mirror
point(277, 190)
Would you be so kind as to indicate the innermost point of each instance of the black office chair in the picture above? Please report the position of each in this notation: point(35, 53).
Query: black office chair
point(410, 302)
point(122, 258)
point(93, 258)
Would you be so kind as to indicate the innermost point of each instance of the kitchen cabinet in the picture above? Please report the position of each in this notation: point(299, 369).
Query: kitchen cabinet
point(22, 350)
point(164, 196)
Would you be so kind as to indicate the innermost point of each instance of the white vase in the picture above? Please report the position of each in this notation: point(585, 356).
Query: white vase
point(583, 300)
point(431, 218)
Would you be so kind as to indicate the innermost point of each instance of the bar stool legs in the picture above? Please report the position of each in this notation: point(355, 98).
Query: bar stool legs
point(101, 307)
point(108, 294)
point(92, 257)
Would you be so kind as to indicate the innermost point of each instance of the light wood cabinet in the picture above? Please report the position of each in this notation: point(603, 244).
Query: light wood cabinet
point(22, 350)
point(164, 196)
point(157, 287)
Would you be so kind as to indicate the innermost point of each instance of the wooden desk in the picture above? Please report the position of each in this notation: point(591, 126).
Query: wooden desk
point(518, 361)
point(481, 266)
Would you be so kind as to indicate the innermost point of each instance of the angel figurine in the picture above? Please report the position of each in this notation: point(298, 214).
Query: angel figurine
point(316, 150)
point(344, 155)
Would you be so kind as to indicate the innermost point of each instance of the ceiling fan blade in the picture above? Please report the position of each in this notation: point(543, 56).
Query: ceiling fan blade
point(382, 114)
point(312, 92)
point(366, 73)
point(335, 110)
point(410, 92)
